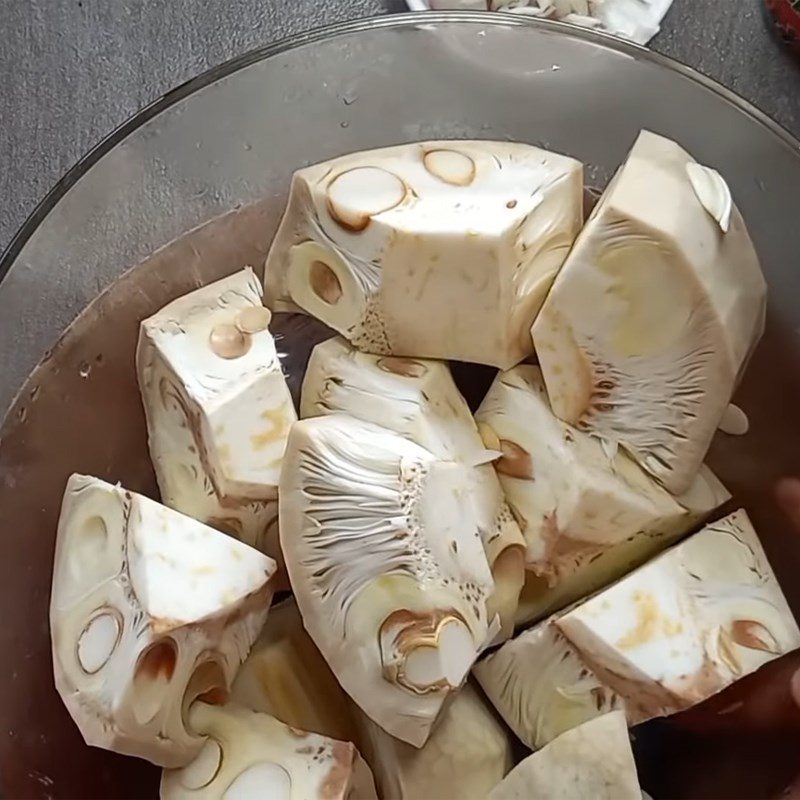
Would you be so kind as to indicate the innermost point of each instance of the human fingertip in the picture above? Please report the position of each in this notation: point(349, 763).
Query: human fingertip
point(787, 494)
point(788, 489)
point(795, 687)
point(791, 792)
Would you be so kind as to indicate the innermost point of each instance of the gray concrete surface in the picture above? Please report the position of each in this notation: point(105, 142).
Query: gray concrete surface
point(72, 70)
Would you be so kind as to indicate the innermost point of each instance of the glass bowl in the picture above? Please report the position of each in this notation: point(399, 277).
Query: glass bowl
point(214, 157)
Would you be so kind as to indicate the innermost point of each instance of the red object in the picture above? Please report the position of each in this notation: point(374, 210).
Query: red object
point(786, 14)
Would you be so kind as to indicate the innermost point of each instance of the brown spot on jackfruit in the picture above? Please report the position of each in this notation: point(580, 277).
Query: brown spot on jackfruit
point(206, 684)
point(755, 636)
point(599, 695)
point(216, 696)
point(563, 552)
point(515, 462)
point(411, 630)
point(339, 774)
point(158, 660)
point(700, 685)
point(325, 283)
point(230, 525)
point(727, 653)
point(406, 367)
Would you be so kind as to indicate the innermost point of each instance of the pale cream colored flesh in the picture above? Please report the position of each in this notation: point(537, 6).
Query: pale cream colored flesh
point(252, 756)
point(541, 686)
point(654, 315)
point(432, 249)
point(218, 408)
point(418, 399)
point(383, 549)
point(149, 610)
point(588, 514)
point(688, 624)
point(591, 762)
point(468, 753)
point(286, 676)
point(666, 637)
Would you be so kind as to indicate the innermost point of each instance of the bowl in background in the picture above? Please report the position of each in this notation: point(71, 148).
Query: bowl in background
point(214, 158)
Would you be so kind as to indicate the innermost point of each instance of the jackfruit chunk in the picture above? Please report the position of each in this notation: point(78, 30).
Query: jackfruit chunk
point(653, 317)
point(430, 250)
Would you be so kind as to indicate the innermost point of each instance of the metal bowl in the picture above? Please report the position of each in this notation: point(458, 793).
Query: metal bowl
point(214, 157)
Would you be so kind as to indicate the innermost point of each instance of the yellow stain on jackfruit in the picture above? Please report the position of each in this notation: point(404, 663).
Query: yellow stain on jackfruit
point(650, 623)
point(278, 424)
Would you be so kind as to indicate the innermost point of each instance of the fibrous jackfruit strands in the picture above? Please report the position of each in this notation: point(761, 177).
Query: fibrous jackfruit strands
point(654, 315)
point(589, 513)
point(383, 549)
point(418, 399)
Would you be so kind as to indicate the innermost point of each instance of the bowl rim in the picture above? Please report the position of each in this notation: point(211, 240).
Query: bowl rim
point(396, 21)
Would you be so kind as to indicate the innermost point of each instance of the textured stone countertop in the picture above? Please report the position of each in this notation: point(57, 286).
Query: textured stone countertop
point(75, 69)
